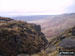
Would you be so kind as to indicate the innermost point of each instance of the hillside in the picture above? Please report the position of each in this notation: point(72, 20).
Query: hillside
point(19, 37)
point(69, 33)
point(53, 46)
point(52, 26)
point(29, 35)
point(66, 38)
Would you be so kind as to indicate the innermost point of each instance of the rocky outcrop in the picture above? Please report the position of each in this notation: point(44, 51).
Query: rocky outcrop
point(5, 19)
point(69, 33)
point(18, 37)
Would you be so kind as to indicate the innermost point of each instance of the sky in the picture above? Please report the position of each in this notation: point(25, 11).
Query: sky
point(36, 7)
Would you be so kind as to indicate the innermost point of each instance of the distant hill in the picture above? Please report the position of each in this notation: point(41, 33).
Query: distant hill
point(54, 25)
point(31, 18)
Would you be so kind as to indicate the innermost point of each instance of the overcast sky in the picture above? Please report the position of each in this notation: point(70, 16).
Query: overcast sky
point(36, 7)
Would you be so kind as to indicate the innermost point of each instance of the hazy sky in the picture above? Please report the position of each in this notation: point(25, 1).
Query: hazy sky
point(32, 7)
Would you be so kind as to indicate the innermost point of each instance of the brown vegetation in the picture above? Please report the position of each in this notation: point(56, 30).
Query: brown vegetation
point(17, 37)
